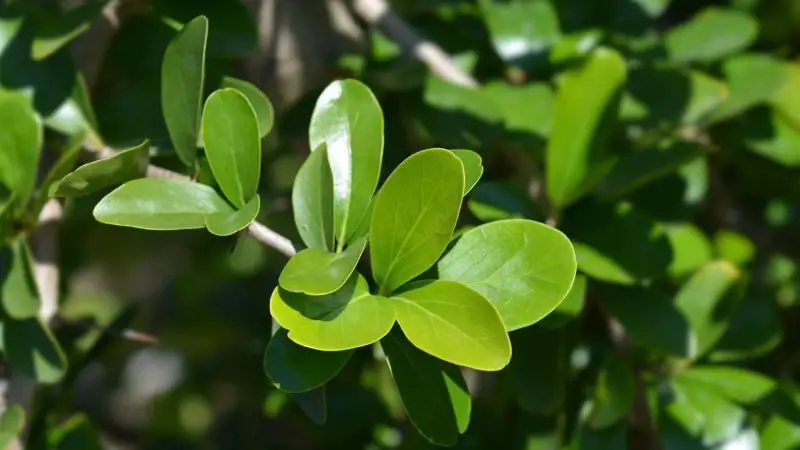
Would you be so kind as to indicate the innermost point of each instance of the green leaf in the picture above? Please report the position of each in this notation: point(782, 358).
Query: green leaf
point(706, 305)
point(780, 434)
point(771, 135)
point(77, 433)
point(640, 167)
point(126, 165)
point(312, 201)
point(63, 166)
point(33, 351)
point(496, 200)
point(318, 272)
point(434, 393)
point(233, 145)
point(597, 231)
point(585, 113)
point(182, 78)
point(160, 204)
point(265, 113)
point(314, 404)
point(75, 115)
point(754, 330)
point(574, 46)
point(521, 30)
point(12, 422)
point(414, 216)
point(294, 368)
point(226, 224)
point(615, 438)
point(710, 35)
point(690, 248)
point(614, 393)
point(453, 323)
point(787, 97)
point(20, 145)
point(9, 26)
point(569, 309)
point(18, 292)
point(537, 373)
point(56, 30)
point(704, 412)
point(734, 247)
point(526, 109)
point(349, 121)
point(525, 268)
point(473, 169)
point(753, 79)
point(348, 318)
point(649, 317)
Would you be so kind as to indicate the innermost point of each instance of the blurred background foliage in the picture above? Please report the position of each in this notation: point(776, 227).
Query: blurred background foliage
point(680, 333)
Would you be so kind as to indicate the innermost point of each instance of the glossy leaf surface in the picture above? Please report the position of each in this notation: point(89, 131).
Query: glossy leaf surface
point(318, 272)
point(226, 224)
point(127, 165)
point(294, 368)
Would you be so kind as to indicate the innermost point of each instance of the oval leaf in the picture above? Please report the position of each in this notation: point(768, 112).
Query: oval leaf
point(127, 165)
point(20, 145)
point(294, 368)
point(525, 268)
point(414, 216)
point(434, 393)
point(226, 224)
point(473, 169)
point(348, 119)
point(710, 35)
point(182, 78)
point(585, 112)
point(265, 113)
point(233, 145)
point(317, 272)
point(18, 292)
point(33, 351)
point(312, 201)
point(349, 318)
point(452, 322)
point(160, 204)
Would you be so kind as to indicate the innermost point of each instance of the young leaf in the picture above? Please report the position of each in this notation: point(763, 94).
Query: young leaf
point(312, 201)
point(233, 145)
point(706, 304)
point(452, 322)
point(348, 318)
point(265, 113)
point(57, 30)
point(414, 216)
point(473, 169)
point(348, 119)
point(20, 145)
point(585, 111)
point(294, 368)
point(33, 351)
point(127, 165)
point(317, 272)
point(524, 267)
point(12, 422)
point(182, 78)
point(19, 295)
point(160, 204)
point(710, 35)
point(226, 224)
point(434, 394)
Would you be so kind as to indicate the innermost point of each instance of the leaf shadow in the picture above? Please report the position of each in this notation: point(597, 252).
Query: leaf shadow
point(322, 307)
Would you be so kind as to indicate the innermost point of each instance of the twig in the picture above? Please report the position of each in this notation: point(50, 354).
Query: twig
point(258, 230)
point(378, 14)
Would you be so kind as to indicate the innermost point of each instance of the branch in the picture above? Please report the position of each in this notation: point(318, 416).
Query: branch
point(259, 231)
point(378, 14)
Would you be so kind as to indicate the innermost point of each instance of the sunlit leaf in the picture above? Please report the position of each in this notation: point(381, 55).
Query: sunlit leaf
point(315, 271)
point(226, 224)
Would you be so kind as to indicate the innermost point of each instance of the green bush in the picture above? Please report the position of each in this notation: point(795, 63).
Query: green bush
point(594, 247)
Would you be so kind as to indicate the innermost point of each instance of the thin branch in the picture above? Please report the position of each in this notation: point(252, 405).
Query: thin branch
point(378, 14)
point(258, 230)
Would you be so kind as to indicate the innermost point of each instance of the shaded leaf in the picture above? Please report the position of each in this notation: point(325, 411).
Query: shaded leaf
point(348, 318)
point(349, 121)
point(754, 329)
point(126, 165)
point(314, 404)
point(318, 272)
point(312, 201)
point(614, 393)
point(160, 204)
point(226, 224)
point(63, 166)
point(753, 78)
point(538, 371)
point(18, 291)
point(585, 111)
point(77, 433)
point(182, 78)
point(12, 422)
point(33, 351)
point(265, 113)
point(294, 368)
point(454, 323)
point(434, 393)
point(705, 413)
point(525, 268)
point(710, 35)
point(496, 200)
point(771, 135)
point(58, 29)
point(414, 216)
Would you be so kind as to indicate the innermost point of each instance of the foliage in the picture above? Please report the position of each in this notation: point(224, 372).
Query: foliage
point(593, 248)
